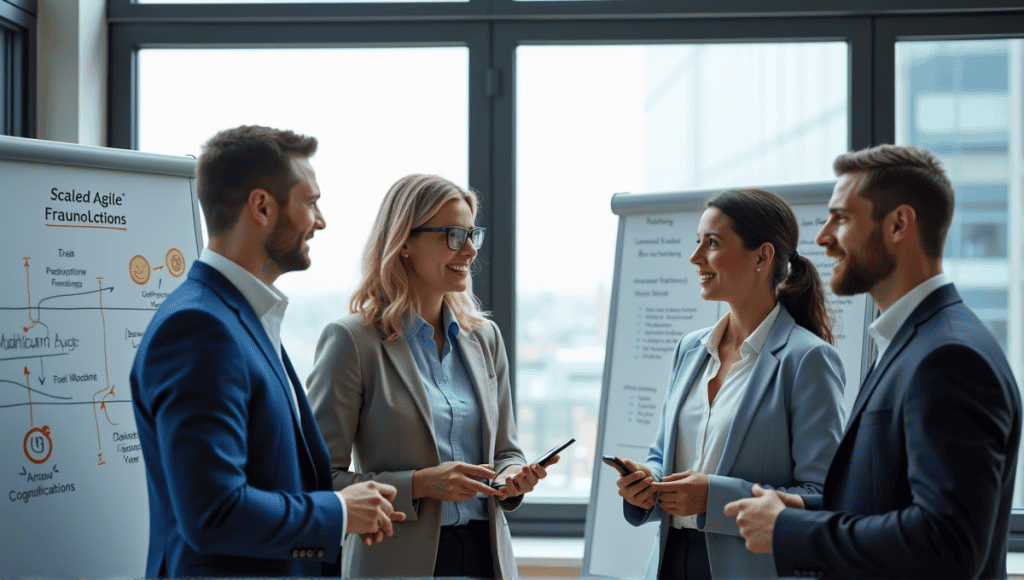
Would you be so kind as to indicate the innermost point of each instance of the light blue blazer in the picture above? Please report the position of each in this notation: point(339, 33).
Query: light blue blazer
point(783, 437)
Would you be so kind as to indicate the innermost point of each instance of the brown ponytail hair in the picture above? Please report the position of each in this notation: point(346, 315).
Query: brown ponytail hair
point(760, 216)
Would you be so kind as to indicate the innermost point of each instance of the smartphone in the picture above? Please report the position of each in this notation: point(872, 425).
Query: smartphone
point(543, 459)
point(617, 464)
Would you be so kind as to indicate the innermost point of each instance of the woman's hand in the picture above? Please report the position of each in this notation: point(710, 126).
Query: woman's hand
point(683, 494)
point(521, 481)
point(636, 487)
point(452, 481)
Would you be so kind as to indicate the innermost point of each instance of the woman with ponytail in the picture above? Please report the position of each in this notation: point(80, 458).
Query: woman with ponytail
point(754, 402)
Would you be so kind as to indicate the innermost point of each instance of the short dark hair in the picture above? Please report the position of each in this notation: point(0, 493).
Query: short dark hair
point(898, 175)
point(236, 161)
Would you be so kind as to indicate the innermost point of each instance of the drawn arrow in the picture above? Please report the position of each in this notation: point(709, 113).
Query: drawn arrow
point(35, 321)
point(103, 404)
point(28, 385)
point(74, 294)
point(42, 373)
point(28, 293)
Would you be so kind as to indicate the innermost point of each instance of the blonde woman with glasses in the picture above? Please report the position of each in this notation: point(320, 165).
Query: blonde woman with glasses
point(416, 383)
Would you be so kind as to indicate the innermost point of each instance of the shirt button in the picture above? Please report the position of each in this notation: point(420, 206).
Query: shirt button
point(295, 553)
point(320, 554)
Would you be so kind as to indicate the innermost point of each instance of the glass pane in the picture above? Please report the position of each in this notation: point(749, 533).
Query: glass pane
point(372, 130)
point(962, 100)
point(596, 120)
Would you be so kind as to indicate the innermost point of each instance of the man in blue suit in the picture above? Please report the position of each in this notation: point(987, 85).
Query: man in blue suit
point(922, 483)
point(239, 477)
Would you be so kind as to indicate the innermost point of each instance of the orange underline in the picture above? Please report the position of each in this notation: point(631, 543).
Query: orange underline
point(97, 227)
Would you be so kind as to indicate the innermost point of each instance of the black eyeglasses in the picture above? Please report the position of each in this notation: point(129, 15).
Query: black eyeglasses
point(457, 235)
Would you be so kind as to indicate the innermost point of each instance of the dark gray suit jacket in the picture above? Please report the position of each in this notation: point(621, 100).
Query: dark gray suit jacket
point(922, 483)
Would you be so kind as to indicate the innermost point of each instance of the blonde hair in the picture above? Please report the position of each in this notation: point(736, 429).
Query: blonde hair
point(383, 295)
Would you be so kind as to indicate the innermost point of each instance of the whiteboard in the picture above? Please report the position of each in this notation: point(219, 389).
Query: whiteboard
point(93, 240)
point(655, 302)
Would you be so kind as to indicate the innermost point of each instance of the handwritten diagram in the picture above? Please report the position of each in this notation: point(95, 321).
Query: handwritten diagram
point(87, 256)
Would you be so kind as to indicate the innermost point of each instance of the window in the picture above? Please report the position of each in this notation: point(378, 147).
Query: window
point(963, 100)
point(595, 120)
point(558, 68)
point(371, 127)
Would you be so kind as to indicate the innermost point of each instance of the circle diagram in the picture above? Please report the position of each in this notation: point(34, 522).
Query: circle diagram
point(175, 262)
point(37, 445)
point(138, 269)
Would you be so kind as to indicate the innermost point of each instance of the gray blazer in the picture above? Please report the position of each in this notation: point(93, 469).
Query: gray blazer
point(367, 396)
point(783, 437)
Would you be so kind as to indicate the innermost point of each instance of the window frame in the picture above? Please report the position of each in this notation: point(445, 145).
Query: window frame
point(492, 30)
point(889, 31)
point(17, 76)
point(508, 37)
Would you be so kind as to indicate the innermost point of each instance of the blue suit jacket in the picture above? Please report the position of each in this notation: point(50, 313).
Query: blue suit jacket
point(783, 437)
point(922, 483)
point(234, 487)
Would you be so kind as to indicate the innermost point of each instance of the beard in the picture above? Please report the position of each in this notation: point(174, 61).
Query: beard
point(285, 246)
point(859, 274)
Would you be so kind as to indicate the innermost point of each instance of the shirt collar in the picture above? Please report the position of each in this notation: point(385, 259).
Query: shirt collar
point(752, 344)
point(414, 324)
point(888, 323)
point(261, 298)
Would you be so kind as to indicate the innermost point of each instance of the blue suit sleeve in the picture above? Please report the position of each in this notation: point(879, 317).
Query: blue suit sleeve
point(956, 420)
point(200, 392)
point(816, 417)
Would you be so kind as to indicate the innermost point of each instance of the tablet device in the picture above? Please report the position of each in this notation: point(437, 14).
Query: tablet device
point(543, 459)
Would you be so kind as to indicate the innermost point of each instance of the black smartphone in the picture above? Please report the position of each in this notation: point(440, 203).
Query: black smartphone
point(543, 460)
point(617, 464)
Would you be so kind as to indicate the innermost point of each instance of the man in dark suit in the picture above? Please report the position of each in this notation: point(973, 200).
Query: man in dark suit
point(239, 477)
point(922, 483)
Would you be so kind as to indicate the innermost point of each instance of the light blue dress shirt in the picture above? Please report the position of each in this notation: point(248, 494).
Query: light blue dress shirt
point(453, 405)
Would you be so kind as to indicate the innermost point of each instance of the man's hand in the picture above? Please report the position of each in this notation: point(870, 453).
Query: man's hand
point(520, 481)
point(370, 512)
point(636, 487)
point(791, 500)
point(452, 481)
point(683, 494)
point(756, 517)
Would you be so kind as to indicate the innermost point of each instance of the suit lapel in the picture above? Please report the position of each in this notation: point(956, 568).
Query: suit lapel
point(405, 366)
point(476, 368)
point(692, 363)
point(937, 300)
point(237, 302)
point(761, 376)
point(313, 442)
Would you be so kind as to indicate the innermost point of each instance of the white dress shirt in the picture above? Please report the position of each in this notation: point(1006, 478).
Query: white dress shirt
point(269, 304)
point(702, 427)
point(888, 323)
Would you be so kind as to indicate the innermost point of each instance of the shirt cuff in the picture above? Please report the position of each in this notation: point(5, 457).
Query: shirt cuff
point(344, 516)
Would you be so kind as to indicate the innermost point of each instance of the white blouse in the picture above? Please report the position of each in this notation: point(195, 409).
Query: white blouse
point(703, 428)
